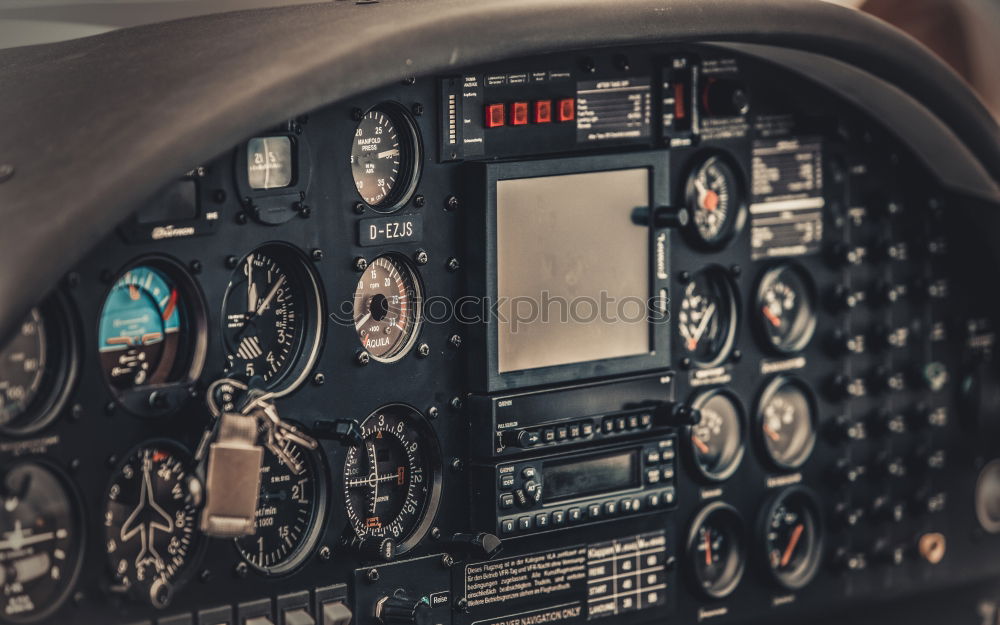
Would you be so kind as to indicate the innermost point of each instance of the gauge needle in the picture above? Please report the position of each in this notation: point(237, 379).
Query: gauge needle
point(251, 286)
point(708, 550)
point(707, 199)
point(388, 153)
point(774, 436)
point(702, 447)
point(362, 321)
point(774, 319)
point(792, 544)
point(270, 295)
point(709, 313)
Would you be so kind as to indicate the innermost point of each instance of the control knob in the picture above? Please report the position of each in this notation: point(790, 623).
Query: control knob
point(400, 608)
point(725, 98)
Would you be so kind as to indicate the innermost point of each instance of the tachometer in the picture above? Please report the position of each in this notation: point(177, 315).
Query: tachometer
point(385, 157)
point(393, 480)
point(272, 318)
point(150, 522)
point(387, 308)
point(42, 548)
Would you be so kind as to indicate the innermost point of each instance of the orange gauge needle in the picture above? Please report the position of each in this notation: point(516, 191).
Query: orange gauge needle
point(708, 549)
point(692, 345)
point(775, 321)
point(774, 436)
point(711, 200)
point(702, 447)
point(790, 549)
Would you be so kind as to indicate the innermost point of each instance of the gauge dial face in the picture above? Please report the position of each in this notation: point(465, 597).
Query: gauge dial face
point(786, 309)
point(392, 482)
point(22, 367)
point(144, 329)
point(713, 197)
point(271, 314)
point(716, 550)
point(387, 308)
point(792, 538)
point(717, 440)
point(150, 523)
point(787, 420)
point(384, 157)
point(42, 545)
point(707, 318)
point(288, 519)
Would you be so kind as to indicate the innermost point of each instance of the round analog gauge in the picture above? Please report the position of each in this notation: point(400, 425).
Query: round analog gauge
point(37, 368)
point(717, 440)
point(385, 157)
point(786, 308)
point(387, 308)
point(393, 481)
point(988, 497)
point(42, 547)
point(272, 318)
point(716, 550)
point(793, 538)
point(152, 334)
point(787, 416)
point(150, 522)
point(289, 514)
point(713, 197)
point(708, 317)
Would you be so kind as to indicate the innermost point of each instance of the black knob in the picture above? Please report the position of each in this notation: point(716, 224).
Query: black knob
point(851, 561)
point(684, 415)
point(883, 508)
point(887, 422)
point(887, 552)
point(725, 98)
point(663, 217)
point(841, 299)
point(525, 439)
point(474, 545)
point(890, 466)
point(383, 549)
point(400, 608)
point(847, 516)
point(844, 473)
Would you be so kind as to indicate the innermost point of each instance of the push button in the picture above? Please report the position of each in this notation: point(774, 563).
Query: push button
point(519, 113)
point(594, 511)
point(610, 508)
point(653, 457)
point(561, 433)
point(506, 481)
point(496, 115)
point(633, 422)
point(524, 523)
point(574, 515)
point(548, 435)
point(506, 501)
point(574, 430)
point(543, 111)
point(558, 518)
point(653, 476)
point(528, 473)
point(608, 425)
point(542, 520)
point(587, 428)
point(567, 109)
point(507, 526)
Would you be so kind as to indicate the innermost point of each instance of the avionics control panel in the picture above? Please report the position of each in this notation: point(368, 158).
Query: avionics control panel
point(656, 333)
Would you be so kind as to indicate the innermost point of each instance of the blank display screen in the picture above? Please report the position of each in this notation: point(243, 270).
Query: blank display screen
point(579, 478)
point(572, 269)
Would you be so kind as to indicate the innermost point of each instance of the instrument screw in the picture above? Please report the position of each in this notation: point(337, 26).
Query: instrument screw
point(303, 209)
point(72, 279)
point(418, 109)
point(587, 64)
point(195, 266)
point(685, 363)
point(242, 570)
point(372, 575)
point(325, 553)
point(359, 208)
point(436, 533)
point(456, 402)
point(74, 465)
point(451, 203)
point(6, 172)
point(453, 264)
point(219, 196)
point(363, 358)
point(409, 80)
point(421, 257)
point(76, 413)
point(423, 350)
point(684, 277)
point(447, 561)
point(78, 598)
point(456, 465)
point(360, 264)
point(736, 271)
point(737, 355)
point(461, 604)
point(419, 201)
point(316, 255)
point(357, 114)
point(622, 63)
point(455, 341)
point(433, 412)
point(110, 407)
point(205, 576)
point(241, 218)
point(319, 379)
point(112, 461)
point(231, 262)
